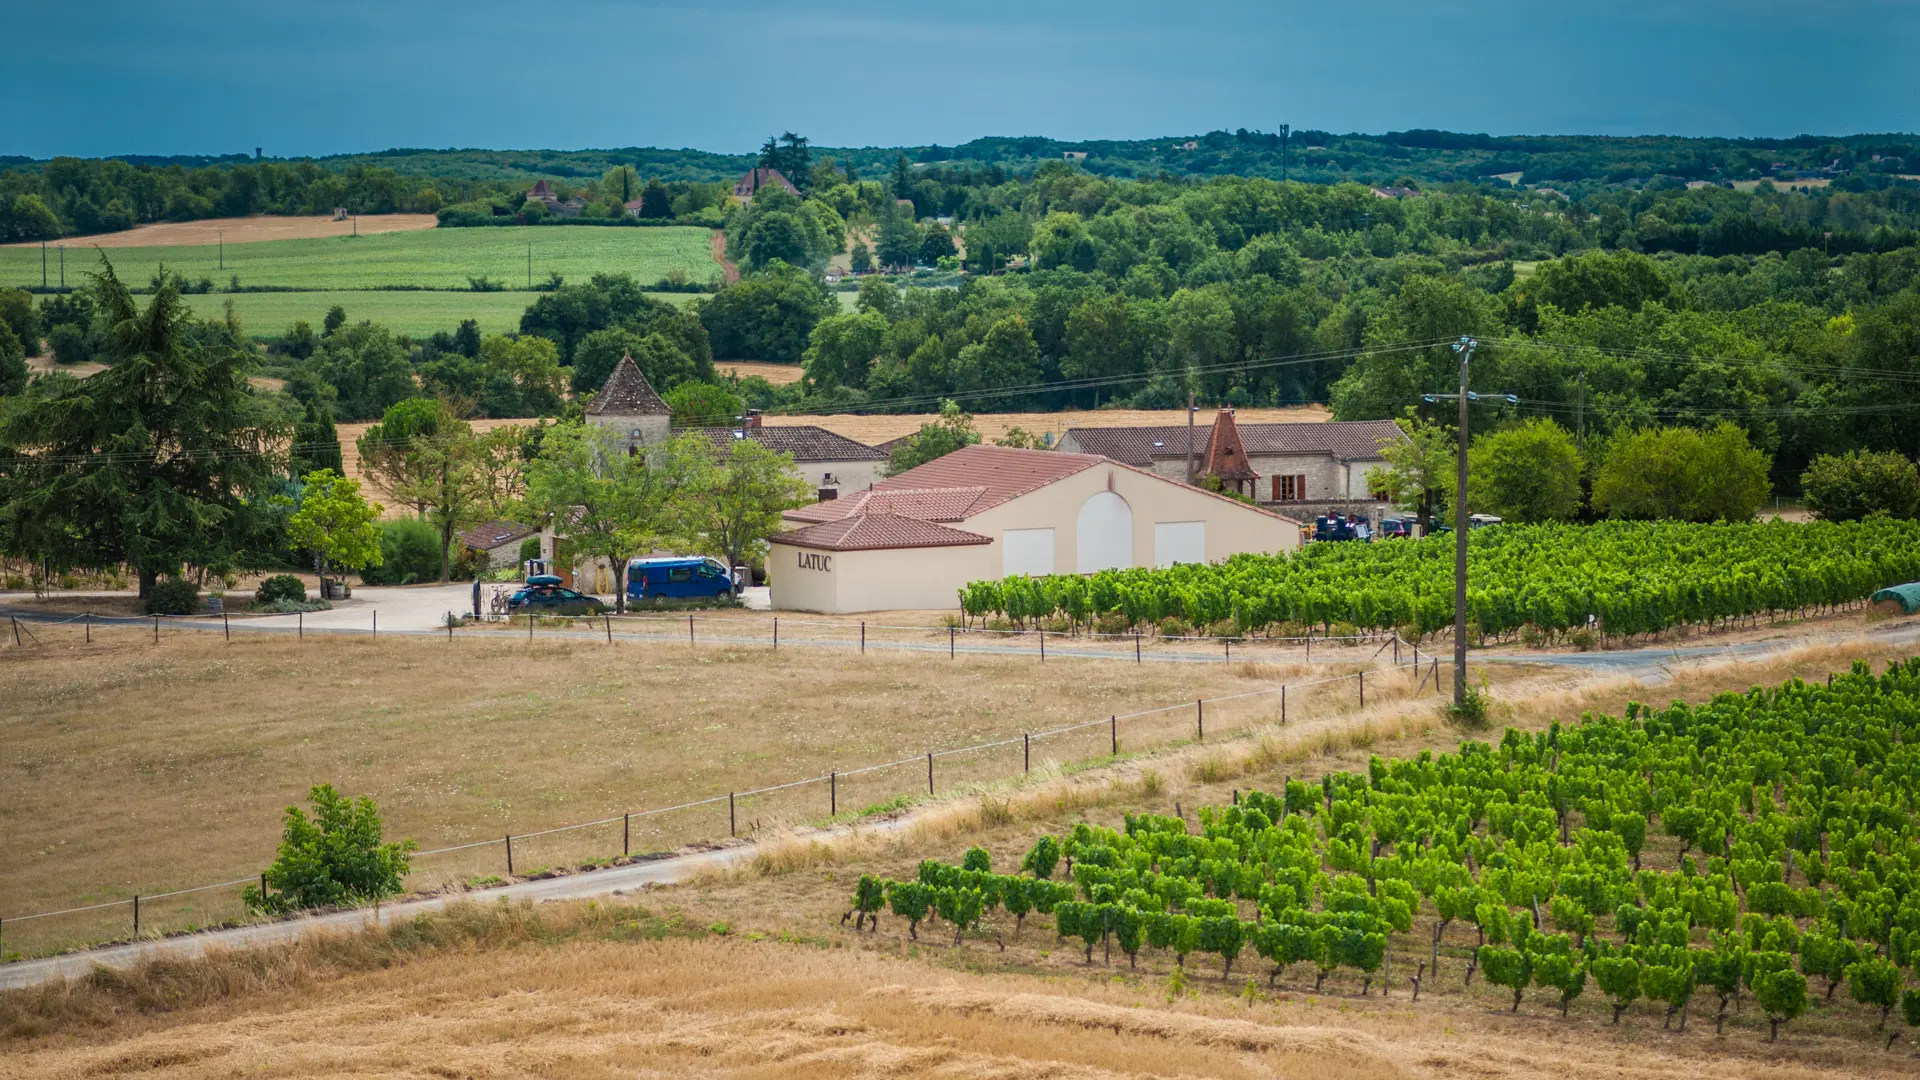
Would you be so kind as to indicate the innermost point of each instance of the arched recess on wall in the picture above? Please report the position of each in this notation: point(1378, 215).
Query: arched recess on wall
point(1104, 533)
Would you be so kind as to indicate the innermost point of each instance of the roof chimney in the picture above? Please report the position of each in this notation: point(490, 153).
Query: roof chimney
point(752, 420)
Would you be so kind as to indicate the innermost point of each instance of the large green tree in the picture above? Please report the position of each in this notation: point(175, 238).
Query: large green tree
point(166, 460)
point(604, 501)
point(1525, 474)
point(733, 500)
point(335, 522)
point(1846, 487)
point(767, 316)
point(1682, 473)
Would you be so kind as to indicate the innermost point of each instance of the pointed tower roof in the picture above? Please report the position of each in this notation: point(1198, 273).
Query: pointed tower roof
point(1226, 454)
point(627, 393)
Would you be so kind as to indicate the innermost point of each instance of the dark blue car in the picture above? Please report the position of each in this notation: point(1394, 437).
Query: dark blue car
point(544, 595)
point(679, 577)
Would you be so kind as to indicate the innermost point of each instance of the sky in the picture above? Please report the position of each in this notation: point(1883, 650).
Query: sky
point(223, 76)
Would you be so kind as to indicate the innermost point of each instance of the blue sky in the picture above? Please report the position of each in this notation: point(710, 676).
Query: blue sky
point(220, 76)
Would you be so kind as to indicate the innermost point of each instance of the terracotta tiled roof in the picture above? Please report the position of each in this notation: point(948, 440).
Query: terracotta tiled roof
point(1226, 455)
point(873, 532)
point(492, 534)
point(750, 184)
point(541, 190)
point(1345, 440)
point(627, 393)
point(927, 504)
point(805, 442)
point(1004, 472)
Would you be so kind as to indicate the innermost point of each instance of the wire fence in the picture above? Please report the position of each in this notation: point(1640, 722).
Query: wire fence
point(841, 796)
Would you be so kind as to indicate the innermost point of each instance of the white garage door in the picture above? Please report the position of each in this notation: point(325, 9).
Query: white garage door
point(1026, 551)
point(1105, 532)
point(1179, 542)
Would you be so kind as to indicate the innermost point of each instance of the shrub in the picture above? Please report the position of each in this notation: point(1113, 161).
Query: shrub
point(1850, 486)
point(280, 588)
point(409, 552)
point(334, 857)
point(174, 596)
point(70, 344)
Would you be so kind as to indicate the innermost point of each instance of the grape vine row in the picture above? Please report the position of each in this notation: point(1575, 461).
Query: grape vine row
point(1629, 577)
point(1793, 810)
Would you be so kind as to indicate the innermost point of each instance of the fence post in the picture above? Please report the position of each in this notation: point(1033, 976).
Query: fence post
point(263, 887)
point(1043, 646)
point(1361, 677)
point(1113, 734)
point(609, 618)
point(626, 834)
point(509, 854)
point(1136, 646)
point(1309, 646)
point(529, 624)
point(300, 624)
point(449, 626)
point(1396, 647)
point(1229, 644)
point(224, 624)
point(1283, 704)
point(863, 637)
point(949, 642)
point(833, 794)
point(16, 629)
point(1026, 752)
point(136, 915)
point(1200, 718)
point(776, 632)
point(929, 774)
point(376, 624)
point(689, 630)
point(89, 627)
point(156, 629)
point(732, 827)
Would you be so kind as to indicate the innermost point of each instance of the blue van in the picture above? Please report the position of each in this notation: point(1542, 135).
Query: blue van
point(678, 577)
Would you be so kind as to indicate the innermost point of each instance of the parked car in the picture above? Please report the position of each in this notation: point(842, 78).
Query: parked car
point(680, 577)
point(1397, 528)
point(1336, 527)
point(544, 595)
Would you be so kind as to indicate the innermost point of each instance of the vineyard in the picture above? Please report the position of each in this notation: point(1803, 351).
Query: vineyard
point(1793, 810)
point(1628, 578)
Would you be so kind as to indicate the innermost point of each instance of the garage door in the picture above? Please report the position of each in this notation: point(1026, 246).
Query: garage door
point(1105, 533)
point(1026, 551)
point(1179, 542)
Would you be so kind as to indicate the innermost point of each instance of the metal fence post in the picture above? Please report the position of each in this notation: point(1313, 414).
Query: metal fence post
point(929, 774)
point(1113, 735)
point(833, 794)
point(509, 854)
point(863, 637)
point(89, 627)
point(776, 631)
point(950, 642)
point(263, 887)
point(136, 914)
point(609, 619)
point(376, 624)
point(1136, 646)
point(626, 834)
point(689, 630)
point(1283, 704)
point(1043, 646)
point(224, 624)
point(732, 826)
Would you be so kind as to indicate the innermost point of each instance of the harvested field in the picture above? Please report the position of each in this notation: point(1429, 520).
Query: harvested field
point(244, 230)
point(467, 739)
point(878, 428)
point(777, 374)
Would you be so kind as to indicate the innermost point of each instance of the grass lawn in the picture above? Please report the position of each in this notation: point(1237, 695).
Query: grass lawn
point(438, 258)
point(414, 313)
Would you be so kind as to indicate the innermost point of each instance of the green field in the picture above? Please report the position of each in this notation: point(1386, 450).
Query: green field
point(267, 315)
point(435, 258)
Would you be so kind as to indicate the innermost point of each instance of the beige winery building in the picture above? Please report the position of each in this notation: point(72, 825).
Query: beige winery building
point(914, 540)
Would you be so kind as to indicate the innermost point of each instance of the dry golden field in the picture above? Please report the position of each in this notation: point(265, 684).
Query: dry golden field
point(132, 767)
point(750, 974)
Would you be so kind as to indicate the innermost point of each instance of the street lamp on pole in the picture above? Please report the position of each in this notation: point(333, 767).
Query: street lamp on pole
point(1464, 349)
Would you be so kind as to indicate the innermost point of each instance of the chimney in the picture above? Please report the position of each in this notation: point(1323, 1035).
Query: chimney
point(752, 420)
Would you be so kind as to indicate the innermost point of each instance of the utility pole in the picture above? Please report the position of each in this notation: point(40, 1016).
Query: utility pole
point(1189, 437)
point(1464, 348)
